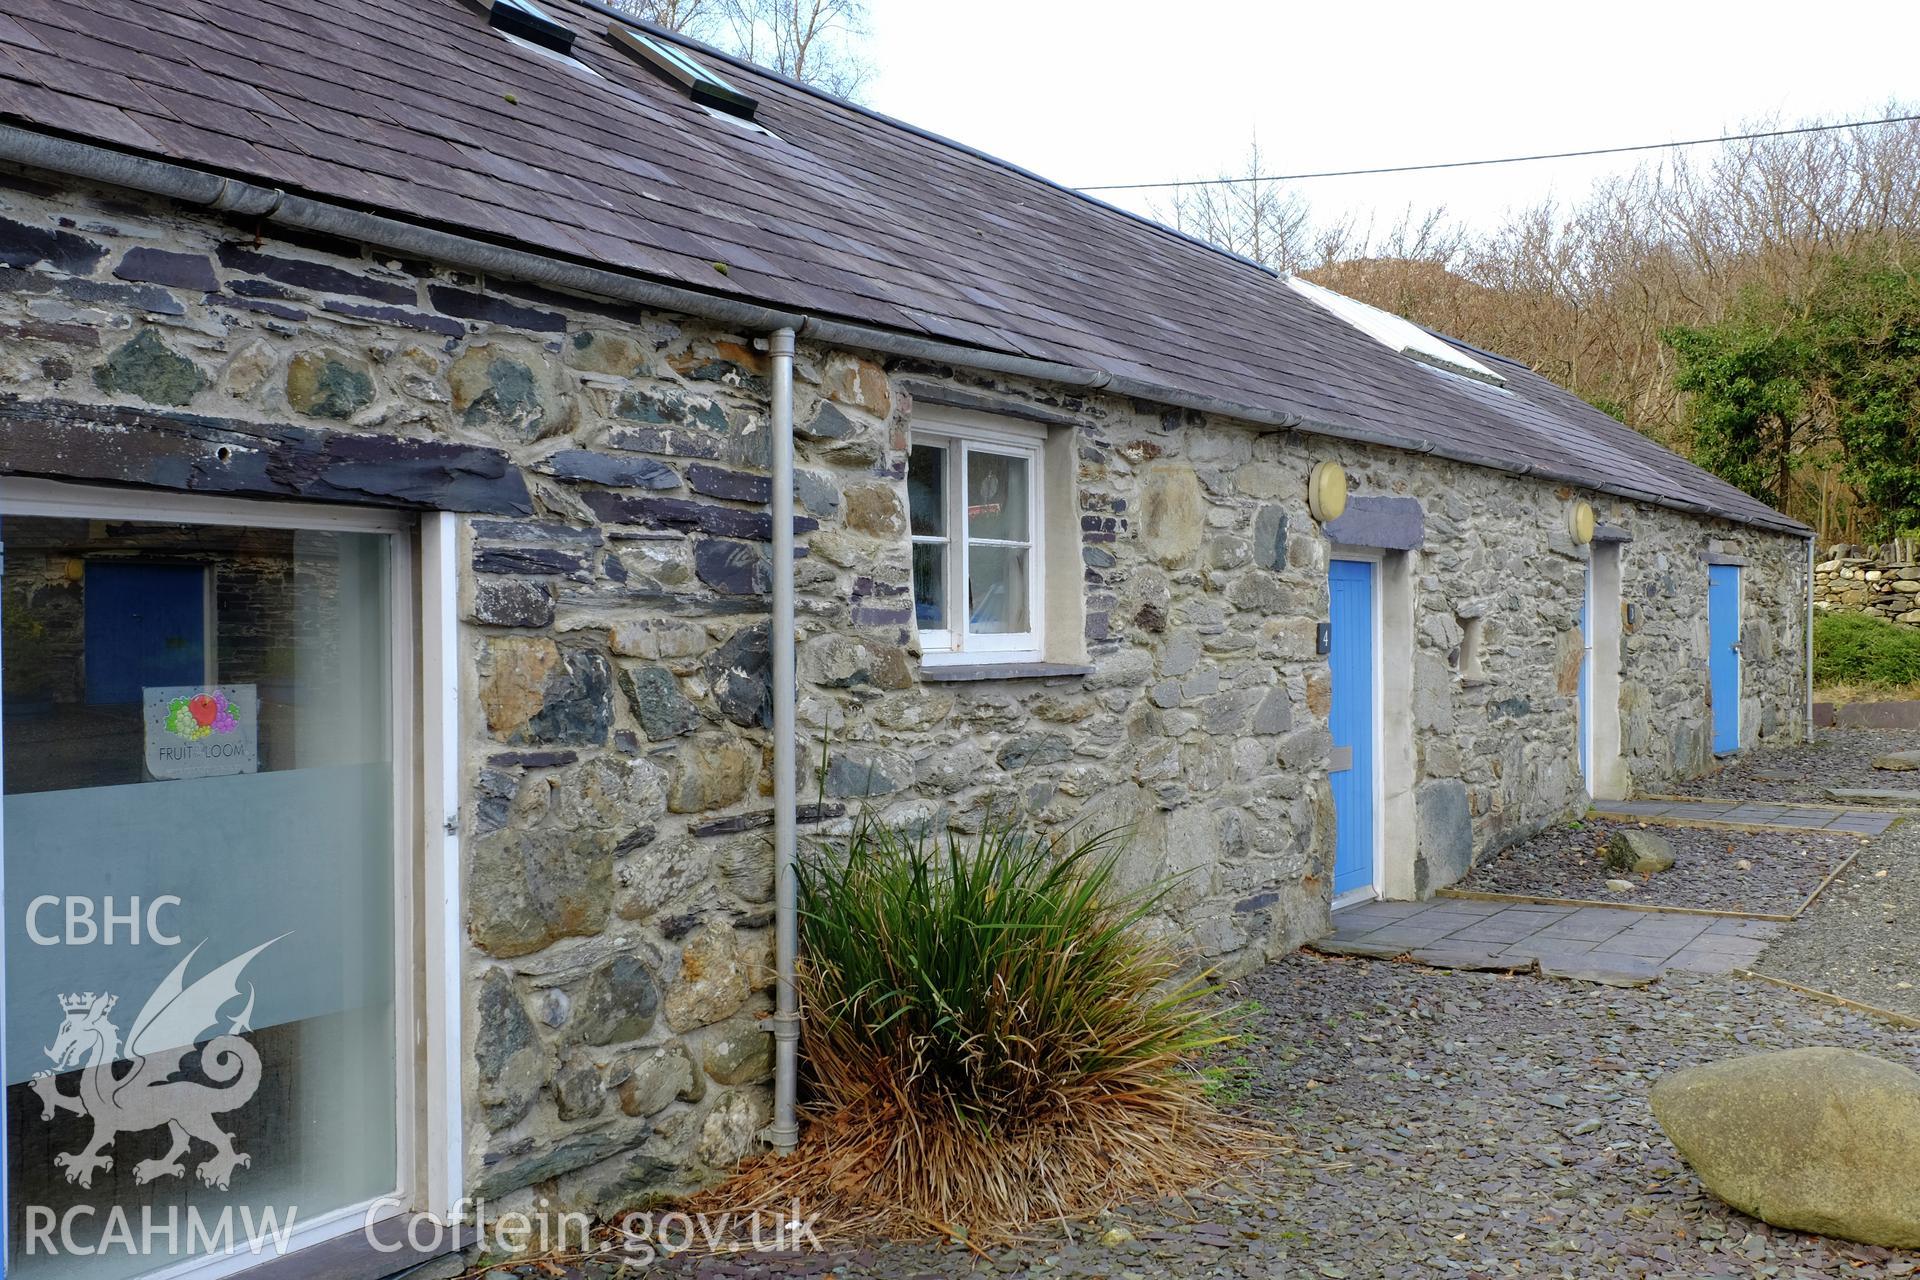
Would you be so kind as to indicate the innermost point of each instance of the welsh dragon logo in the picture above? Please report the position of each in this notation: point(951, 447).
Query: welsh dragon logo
point(139, 1087)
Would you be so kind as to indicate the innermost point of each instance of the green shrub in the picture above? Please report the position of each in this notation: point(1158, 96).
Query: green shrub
point(994, 978)
point(992, 1040)
point(1860, 649)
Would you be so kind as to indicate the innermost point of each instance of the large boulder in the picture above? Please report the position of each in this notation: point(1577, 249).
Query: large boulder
point(1820, 1140)
point(1641, 852)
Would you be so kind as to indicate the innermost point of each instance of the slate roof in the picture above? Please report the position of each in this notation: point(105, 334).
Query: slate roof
point(416, 109)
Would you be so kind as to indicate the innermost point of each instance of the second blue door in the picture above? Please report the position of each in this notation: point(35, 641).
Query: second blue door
point(1350, 588)
point(1723, 654)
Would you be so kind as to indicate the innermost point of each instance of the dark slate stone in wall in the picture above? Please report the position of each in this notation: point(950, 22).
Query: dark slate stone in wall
point(595, 467)
point(133, 297)
point(261, 289)
point(521, 531)
point(681, 513)
point(278, 310)
point(170, 450)
point(740, 673)
point(579, 702)
point(732, 568)
point(22, 245)
point(532, 560)
point(1392, 524)
point(317, 276)
point(163, 266)
point(491, 309)
point(738, 486)
point(421, 320)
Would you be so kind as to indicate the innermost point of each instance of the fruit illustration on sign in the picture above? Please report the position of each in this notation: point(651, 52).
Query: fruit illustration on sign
point(203, 714)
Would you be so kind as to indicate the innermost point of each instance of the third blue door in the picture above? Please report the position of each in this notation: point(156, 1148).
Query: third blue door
point(1723, 655)
point(1350, 589)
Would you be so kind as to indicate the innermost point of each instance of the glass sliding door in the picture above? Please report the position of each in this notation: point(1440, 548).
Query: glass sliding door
point(201, 871)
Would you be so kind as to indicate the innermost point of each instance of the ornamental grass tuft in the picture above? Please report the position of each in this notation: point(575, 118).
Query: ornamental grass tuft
point(992, 1040)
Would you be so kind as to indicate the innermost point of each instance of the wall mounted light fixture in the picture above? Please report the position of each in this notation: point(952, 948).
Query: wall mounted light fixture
point(1326, 491)
point(1580, 522)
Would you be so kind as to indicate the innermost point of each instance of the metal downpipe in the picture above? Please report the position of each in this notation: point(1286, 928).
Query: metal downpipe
point(784, 1132)
point(1811, 556)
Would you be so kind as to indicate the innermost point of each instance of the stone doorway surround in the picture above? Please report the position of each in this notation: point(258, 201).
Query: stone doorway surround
point(1394, 602)
point(1609, 778)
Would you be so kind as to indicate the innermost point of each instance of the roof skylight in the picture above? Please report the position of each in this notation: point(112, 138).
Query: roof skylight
point(700, 84)
point(1403, 336)
point(525, 20)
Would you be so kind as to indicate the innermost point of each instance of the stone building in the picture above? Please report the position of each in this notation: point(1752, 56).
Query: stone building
point(393, 411)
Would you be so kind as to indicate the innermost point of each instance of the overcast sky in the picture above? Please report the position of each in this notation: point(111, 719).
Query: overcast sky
point(1094, 91)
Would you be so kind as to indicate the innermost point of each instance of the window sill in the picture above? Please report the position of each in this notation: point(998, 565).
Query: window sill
point(958, 671)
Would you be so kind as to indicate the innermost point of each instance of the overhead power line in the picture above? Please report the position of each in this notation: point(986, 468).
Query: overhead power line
point(1472, 164)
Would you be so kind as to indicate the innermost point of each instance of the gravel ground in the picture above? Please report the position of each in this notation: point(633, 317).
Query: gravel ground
point(1858, 940)
point(1570, 862)
point(1835, 758)
point(1447, 1125)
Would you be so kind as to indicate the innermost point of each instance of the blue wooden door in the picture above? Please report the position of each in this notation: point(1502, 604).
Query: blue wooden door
point(1350, 587)
point(145, 627)
point(1723, 654)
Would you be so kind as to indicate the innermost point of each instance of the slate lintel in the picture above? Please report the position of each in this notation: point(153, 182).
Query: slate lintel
point(1715, 557)
point(961, 398)
point(1391, 524)
point(165, 449)
point(1611, 533)
point(1004, 671)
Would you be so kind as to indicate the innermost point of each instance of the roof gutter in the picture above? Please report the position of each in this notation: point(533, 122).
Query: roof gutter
point(197, 186)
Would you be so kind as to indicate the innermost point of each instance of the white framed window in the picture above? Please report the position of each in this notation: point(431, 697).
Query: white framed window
point(975, 494)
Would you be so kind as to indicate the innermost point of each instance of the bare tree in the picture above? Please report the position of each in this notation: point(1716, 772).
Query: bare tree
point(696, 18)
point(817, 42)
point(813, 41)
point(1256, 219)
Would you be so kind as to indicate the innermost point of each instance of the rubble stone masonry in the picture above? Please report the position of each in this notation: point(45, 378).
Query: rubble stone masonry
point(616, 773)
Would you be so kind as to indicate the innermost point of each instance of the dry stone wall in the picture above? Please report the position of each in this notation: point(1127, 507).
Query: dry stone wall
point(616, 767)
point(1867, 584)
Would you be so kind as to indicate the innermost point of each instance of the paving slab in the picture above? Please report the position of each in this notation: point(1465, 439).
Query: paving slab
point(1625, 971)
point(1472, 960)
point(1874, 795)
point(1622, 942)
point(1337, 946)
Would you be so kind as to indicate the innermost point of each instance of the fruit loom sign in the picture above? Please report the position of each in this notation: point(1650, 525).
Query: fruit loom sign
point(198, 732)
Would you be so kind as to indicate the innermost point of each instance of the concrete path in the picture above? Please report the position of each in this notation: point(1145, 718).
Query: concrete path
point(1597, 944)
point(1750, 813)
